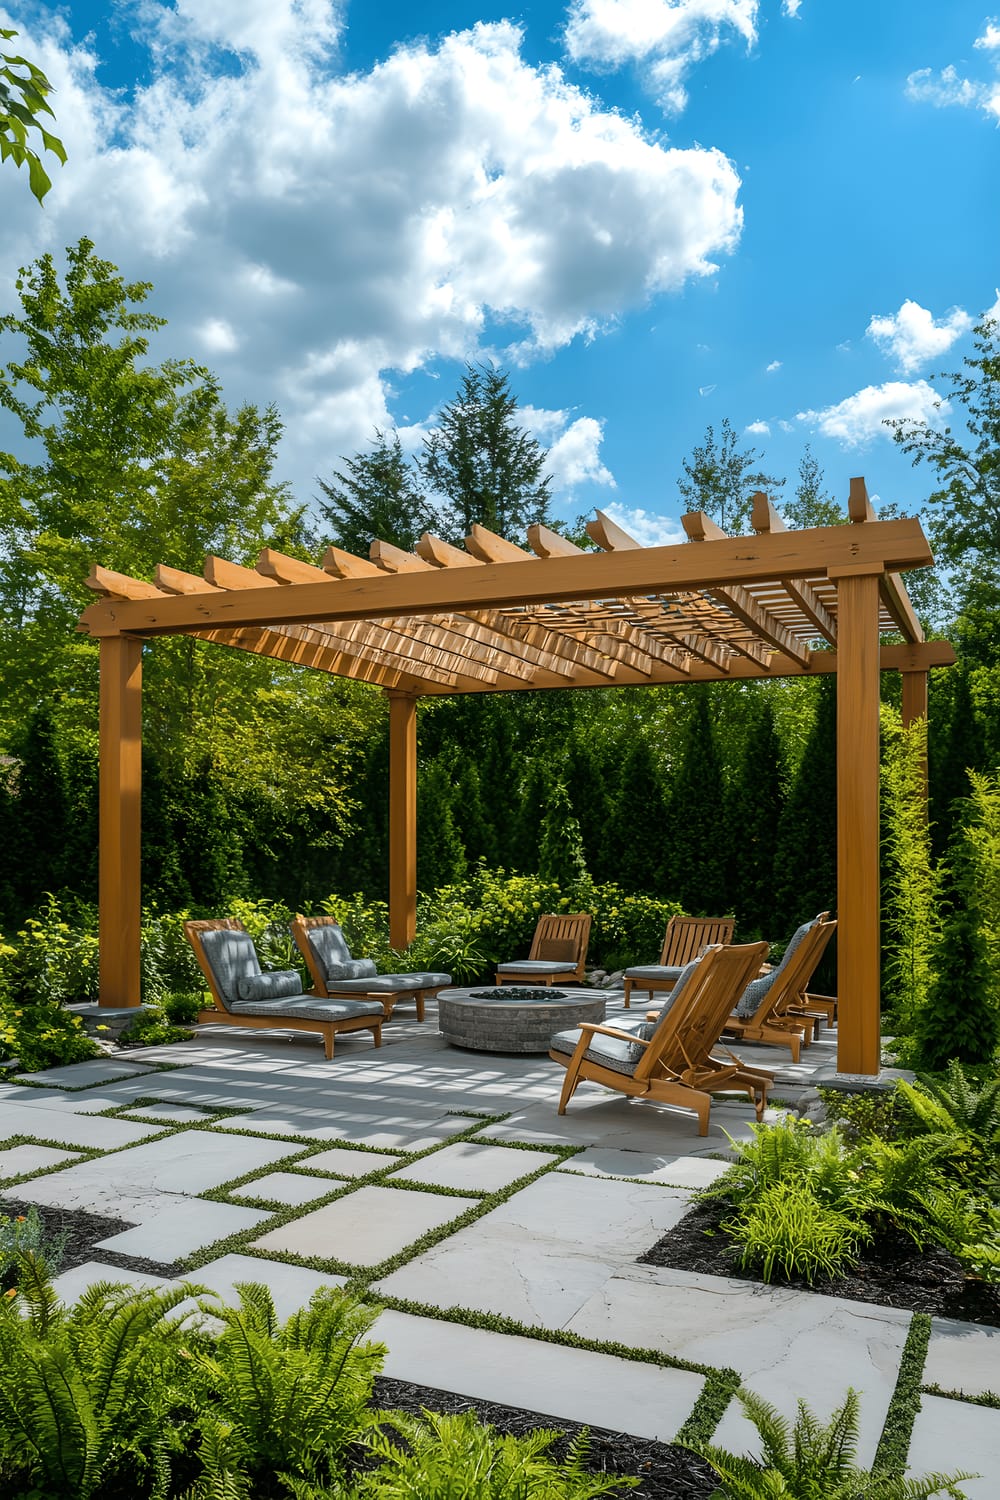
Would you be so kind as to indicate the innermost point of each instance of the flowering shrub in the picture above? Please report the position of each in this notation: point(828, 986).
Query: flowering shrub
point(52, 958)
point(42, 1034)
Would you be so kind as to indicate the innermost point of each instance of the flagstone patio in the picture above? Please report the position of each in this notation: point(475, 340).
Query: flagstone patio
point(443, 1182)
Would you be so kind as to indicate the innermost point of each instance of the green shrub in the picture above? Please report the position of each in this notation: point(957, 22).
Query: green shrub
point(25, 1235)
point(54, 956)
point(787, 1229)
point(182, 1009)
point(152, 1027)
point(43, 1035)
point(870, 1112)
point(812, 1461)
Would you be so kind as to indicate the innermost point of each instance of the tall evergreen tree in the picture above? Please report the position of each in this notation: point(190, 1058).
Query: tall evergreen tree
point(41, 825)
point(481, 465)
point(209, 846)
point(587, 791)
point(721, 477)
point(375, 494)
point(535, 791)
point(956, 745)
point(440, 856)
point(473, 823)
point(805, 856)
point(635, 834)
point(560, 852)
point(754, 807)
point(698, 835)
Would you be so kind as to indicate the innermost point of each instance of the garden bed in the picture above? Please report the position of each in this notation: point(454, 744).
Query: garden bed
point(891, 1271)
point(82, 1232)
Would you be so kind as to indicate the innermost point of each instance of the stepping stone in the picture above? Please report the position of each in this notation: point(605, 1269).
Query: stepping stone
point(173, 1114)
point(69, 1128)
point(406, 1132)
point(785, 1343)
point(82, 1074)
point(291, 1287)
point(130, 1184)
point(19, 1159)
point(285, 1187)
point(542, 1254)
point(563, 1384)
point(366, 1226)
point(963, 1357)
point(612, 1122)
point(339, 1161)
point(180, 1226)
point(71, 1285)
point(468, 1165)
point(953, 1435)
point(681, 1171)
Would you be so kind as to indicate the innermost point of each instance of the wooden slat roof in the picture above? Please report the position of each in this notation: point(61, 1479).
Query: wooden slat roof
point(495, 617)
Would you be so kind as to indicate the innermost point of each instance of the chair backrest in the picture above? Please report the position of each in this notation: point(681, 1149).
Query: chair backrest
point(562, 938)
point(789, 979)
point(225, 953)
point(321, 942)
point(686, 1034)
point(687, 936)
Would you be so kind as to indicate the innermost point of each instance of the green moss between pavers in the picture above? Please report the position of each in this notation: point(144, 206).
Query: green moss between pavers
point(719, 1389)
point(85, 1088)
point(676, 1187)
point(894, 1444)
point(984, 1398)
point(87, 1153)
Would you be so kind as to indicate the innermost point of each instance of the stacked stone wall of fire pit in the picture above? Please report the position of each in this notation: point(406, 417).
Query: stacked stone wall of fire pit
point(513, 1023)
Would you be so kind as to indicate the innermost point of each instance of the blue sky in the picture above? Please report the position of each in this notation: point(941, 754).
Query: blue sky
point(658, 213)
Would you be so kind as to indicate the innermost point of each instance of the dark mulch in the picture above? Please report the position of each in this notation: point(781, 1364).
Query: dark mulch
point(891, 1271)
point(83, 1231)
point(667, 1472)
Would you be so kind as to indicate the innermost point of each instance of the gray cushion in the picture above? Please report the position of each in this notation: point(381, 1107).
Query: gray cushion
point(231, 957)
point(389, 984)
point(757, 989)
point(608, 1051)
point(274, 984)
point(536, 966)
point(329, 945)
point(354, 968)
point(307, 1009)
point(655, 971)
point(669, 1001)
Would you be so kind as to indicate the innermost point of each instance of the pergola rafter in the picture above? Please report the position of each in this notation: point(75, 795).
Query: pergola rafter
point(496, 617)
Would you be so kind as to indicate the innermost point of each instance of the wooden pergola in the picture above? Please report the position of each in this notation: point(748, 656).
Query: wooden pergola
point(493, 617)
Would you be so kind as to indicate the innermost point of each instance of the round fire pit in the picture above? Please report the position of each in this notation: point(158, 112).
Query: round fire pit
point(512, 1019)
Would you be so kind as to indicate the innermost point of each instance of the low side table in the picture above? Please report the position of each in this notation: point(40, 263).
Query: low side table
point(510, 1021)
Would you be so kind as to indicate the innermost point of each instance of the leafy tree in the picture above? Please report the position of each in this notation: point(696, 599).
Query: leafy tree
point(965, 517)
point(697, 834)
point(811, 505)
point(805, 856)
point(41, 813)
point(560, 851)
point(24, 91)
point(472, 819)
point(481, 465)
point(535, 791)
point(375, 495)
point(721, 478)
point(754, 806)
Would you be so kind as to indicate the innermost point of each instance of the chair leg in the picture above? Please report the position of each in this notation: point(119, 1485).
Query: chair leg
point(328, 1043)
point(420, 1005)
point(569, 1086)
point(628, 994)
point(377, 1033)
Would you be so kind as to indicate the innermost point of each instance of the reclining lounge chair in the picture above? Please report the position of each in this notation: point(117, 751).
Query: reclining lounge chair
point(674, 1063)
point(335, 974)
point(246, 995)
point(775, 1006)
point(684, 939)
point(558, 952)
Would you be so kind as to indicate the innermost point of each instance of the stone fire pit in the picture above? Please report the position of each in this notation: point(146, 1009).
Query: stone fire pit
point(513, 1019)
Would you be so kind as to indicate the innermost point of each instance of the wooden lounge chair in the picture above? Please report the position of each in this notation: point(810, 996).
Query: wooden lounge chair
point(675, 1063)
point(336, 975)
point(684, 939)
point(246, 995)
point(775, 1007)
point(558, 952)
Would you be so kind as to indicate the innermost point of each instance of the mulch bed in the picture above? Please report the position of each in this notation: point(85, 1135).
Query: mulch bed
point(891, 1271)
point(83, 1231)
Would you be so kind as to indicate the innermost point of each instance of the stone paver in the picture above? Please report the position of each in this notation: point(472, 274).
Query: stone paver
point(72, 1284)
point(574, 1384)
point(173, 1114)
point(19, 1159)
point(179, 1226)
point(468, 1165)
point(291, 1287)
point(290, 1188)
point(963, 1357)
point(366, 1226)
point(340, 1161)
point(393, 1130)
point(130, 1184)
point(614, 1122)
point(955, 1435)
point(770, 1334)
point(679, 1171)
point(82, 1074)
point(543, 1253)
point(70, 1128)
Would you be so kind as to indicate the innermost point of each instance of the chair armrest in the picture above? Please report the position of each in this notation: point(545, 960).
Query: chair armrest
point(623, 1036)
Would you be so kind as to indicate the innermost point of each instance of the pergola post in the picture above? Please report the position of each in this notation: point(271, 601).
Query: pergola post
point(859, 1032)
point(120, 819)
point(402, 818)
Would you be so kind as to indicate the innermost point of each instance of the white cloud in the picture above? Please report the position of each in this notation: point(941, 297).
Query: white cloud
point(990, 39)
point(791, 7)
point(573, 447)
point(912, 336)
point(665, 37)
point(949, 87)
point(347, 227)
point(774, 366)
point(706, 390)
point(758, 428)
point(648, 529)
point(859, 418)
point(218, 337)
point(992, 313)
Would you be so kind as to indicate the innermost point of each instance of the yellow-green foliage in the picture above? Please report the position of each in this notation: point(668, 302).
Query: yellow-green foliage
point(983, 841)
point(912, 896)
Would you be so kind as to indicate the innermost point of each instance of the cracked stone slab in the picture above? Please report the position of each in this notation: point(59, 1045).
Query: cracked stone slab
point(467, 1164)
point(130, 1184)
point(71, 1129)
point(173, 1114)
point(772, 1335)
point(606, 1120)
point(71, 1285)
point(19, 1159)
point(82, 1074)
point(565, 1384)
point(179, 1226)
point(291, 1287)
point(393, 1129)
point(341, 1161)
point(542, 1254)
point(366, 1226)
point(952, 1435)
point(290, 1188)
point(679, 1171)
point(963, 1357)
